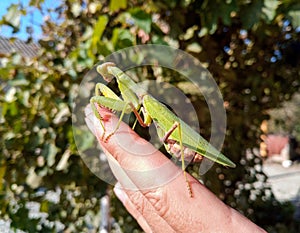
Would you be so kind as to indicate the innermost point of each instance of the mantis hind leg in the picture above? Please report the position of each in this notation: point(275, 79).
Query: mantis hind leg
point(138, 116)
point(182, 161)
point(165, 139)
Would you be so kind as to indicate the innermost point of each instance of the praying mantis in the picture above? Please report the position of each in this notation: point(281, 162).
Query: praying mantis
point(179, 139)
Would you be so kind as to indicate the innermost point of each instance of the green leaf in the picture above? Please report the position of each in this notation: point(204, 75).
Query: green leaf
point(155, 39)
point(99, 29)
point(209, 20)
point(13, 109)
point(13, 17)
point(25, 98)
point(4, 72)
point(295, 17)
point(94, 7)
point(270, 9)
point(49, 152)
point(194, 48)
point(122, 38)
point(62, 115)
point(19, 80)
point(9, 135)
point(32, 179)
point(36, 3)
point(10, 95)
point(105, 48)
point(291, 9)
point(115, 5)
point(141, 19)
point(63, 162)
point(76, 9)
point(2, 173)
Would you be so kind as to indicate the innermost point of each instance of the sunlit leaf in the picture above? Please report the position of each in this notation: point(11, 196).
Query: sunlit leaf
point(94, 7)
point(158, 40)
point(32, 179)
point(13, 109)
point(76, 9)
point(13, 17)
point(10, 95)
point(295, 17)
point(62, 115)
point(122, 38)
point(49, 152)
point(270, 9)
point(98, 30)
point(36, 3)
point(213, 14)
point(194, 47)
point(20, 80)
point(63, 162)
point(25, 98)
point(2, 173)
point(116, 5)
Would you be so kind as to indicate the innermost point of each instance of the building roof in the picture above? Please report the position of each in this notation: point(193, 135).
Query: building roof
point(8, 46)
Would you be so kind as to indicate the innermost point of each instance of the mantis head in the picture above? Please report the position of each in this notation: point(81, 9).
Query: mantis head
point(103, 70)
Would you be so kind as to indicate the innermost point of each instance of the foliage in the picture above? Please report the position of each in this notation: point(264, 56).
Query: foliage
point(278, 118)
point(250, 47)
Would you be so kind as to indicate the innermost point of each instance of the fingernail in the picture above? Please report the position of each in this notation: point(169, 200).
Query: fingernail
point(92, 122)
point(87, 110)
point(119, 191)
point(90, 125)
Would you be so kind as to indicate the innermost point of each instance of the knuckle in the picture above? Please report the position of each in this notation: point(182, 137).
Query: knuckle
point(138, 200)
point(158, 200)
point(151, 199)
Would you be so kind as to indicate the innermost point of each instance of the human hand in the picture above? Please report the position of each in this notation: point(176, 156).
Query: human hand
point(153, 189)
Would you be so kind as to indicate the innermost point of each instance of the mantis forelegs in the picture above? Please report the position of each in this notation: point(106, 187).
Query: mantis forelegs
point(118, 124)
point(93, 101)
point(105, 97)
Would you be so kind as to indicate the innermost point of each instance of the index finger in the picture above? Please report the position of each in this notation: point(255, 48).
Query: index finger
point(130, 154)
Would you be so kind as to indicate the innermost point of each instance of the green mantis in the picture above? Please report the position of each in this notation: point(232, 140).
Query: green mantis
point(179, 138)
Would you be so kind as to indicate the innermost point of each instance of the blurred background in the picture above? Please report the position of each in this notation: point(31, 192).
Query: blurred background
point(252, 49)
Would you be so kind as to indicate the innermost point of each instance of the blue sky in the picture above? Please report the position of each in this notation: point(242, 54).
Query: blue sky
point(34, 18)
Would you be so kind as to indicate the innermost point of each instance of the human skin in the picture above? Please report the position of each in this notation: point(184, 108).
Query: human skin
point(160, 202)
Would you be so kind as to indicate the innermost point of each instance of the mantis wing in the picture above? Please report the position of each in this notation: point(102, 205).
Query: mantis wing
point(165, 119)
